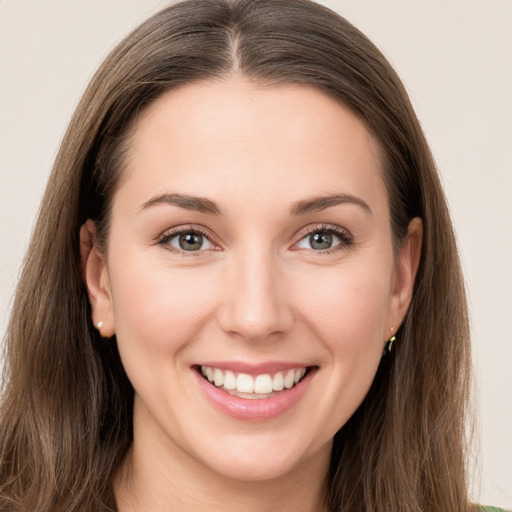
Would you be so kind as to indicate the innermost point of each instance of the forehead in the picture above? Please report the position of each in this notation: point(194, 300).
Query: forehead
point(282, 141)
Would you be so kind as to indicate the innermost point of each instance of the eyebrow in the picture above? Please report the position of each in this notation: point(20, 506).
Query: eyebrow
point(207, 206)
point(200, 204)
point(316, 204)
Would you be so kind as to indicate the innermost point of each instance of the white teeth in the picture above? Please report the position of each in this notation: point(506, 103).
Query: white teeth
point(244, 383)
point(218, 377)
point(229, 380)
point(299, 374)
point(289, 380)
point(261, 386)
point(278, 382)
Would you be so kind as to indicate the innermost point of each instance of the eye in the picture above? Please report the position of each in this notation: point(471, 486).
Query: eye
point(319, 241)
point(188, 240)
point(325, 238)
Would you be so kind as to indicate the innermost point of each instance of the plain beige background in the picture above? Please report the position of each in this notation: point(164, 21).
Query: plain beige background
point(455, 57)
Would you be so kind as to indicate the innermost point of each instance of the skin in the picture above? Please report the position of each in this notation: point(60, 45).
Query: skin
point(258, 291)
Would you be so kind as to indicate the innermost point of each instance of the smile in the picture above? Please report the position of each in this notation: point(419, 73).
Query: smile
point(246, 392)
point(250, 387)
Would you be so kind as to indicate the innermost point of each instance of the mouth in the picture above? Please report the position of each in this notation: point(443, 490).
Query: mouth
point(254, 387)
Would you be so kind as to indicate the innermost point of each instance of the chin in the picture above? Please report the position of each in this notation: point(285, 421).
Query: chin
point(260, 457)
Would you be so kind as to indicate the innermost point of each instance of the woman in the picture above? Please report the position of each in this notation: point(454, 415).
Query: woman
point(243, 285)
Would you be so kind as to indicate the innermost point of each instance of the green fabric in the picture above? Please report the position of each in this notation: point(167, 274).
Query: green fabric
point(493, 509)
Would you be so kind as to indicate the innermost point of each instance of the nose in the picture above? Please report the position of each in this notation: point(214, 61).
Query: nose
point(255, 305)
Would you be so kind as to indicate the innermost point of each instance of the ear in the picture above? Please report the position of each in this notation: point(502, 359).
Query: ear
point(95, 275)
point(407, 264)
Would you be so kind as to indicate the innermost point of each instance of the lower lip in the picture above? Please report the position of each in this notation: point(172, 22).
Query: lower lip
point(254, 409)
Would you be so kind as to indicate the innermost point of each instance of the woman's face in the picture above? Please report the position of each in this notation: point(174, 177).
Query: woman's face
point(250, 241)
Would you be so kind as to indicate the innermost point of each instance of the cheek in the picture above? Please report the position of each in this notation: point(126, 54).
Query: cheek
point(158, 307)
point(348, 312)
point(348, 307)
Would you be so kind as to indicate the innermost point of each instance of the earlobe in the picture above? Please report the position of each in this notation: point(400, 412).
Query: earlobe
point(406, 269)
point(95, 275)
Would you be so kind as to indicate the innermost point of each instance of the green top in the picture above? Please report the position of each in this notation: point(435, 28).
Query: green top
point(493, 509)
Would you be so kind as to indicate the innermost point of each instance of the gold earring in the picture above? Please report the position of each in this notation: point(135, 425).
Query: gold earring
point(389, 343)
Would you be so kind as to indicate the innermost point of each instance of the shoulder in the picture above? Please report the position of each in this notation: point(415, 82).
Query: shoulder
point(492, 509)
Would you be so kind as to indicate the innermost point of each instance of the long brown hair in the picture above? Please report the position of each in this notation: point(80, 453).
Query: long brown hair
point(66, 409)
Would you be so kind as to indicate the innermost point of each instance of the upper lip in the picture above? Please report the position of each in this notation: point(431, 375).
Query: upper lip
point(254, 368)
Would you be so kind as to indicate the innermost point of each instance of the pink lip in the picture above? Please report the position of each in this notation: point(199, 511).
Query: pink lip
point(254, 410)
point(253, 369)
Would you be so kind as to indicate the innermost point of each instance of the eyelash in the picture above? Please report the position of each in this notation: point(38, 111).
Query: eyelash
point(180, 230)
point(346, 239)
